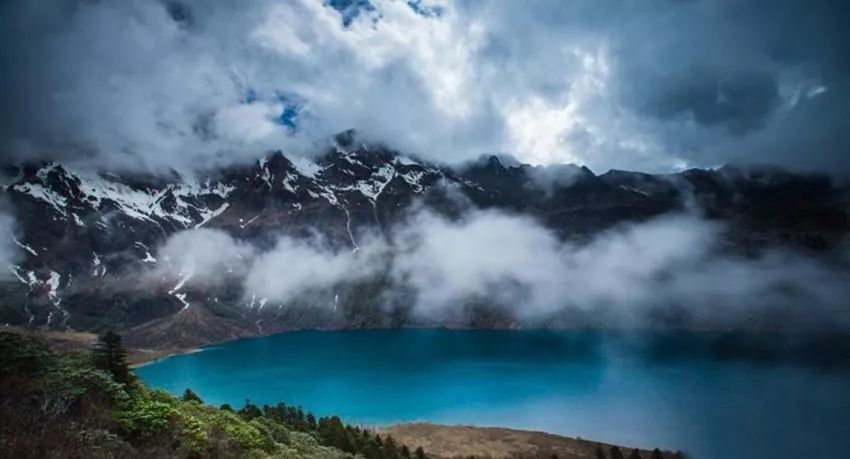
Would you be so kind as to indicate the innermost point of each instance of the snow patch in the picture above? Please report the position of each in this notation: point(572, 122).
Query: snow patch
point(405, 161)
point(25, 247)
point(44, 194)
point(210, 214)
point(305, 166)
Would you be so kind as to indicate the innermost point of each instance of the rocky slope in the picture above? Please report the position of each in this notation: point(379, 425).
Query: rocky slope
point(84, 235)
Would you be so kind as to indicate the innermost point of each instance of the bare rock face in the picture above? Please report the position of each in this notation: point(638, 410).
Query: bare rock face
point(85, 235)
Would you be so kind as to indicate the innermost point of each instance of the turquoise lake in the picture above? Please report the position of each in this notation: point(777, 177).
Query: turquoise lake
point(711, 395)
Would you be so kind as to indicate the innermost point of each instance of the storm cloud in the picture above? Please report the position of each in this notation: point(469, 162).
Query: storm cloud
point(654, 86)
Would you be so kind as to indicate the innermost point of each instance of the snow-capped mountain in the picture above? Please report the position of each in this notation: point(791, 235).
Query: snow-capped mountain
point(80, 231)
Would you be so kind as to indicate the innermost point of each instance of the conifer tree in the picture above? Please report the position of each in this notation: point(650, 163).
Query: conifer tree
point(635, 454)
point(420, 453)
point(110, 355)
point(250, 411)
point(190, 396)
point(656, 454)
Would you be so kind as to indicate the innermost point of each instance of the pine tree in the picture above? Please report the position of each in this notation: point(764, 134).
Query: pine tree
point(190, 396)
point(420, 453)
point(109, 355)
point(250, 411)
point(635, 454)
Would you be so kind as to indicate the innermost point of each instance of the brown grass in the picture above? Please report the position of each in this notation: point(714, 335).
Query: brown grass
point(76, 341)
point(464, 441)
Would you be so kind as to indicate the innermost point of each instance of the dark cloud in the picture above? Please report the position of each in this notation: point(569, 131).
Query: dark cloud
point(651, 85)
point(741, 104)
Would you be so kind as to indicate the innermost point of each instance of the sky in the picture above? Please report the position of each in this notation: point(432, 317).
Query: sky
point(651, 85)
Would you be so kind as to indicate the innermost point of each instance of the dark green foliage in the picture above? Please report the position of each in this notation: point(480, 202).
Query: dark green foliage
point(332, 432)
point(109, 355)
point(226, 407)
point(656, 454)
point(635, 454)
point(420, 453)
point(615, 453)
point(250, 411)
point(190, 396)
point(22, 356)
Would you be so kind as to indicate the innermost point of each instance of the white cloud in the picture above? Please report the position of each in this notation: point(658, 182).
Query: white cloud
point(202, 257)
point(9, 253)
point(674, 261)
point(512, 261)
point(295, 267)
point(486, 255)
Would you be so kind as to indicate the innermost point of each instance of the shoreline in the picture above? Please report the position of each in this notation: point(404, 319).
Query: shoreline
point(139, 361)
point(138, 357)
point(444, 441)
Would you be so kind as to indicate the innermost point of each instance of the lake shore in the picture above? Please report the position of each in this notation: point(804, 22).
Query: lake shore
point(452, 441)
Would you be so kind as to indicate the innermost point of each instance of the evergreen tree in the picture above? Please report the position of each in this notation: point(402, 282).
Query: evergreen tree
point(110, 355)
point(420, 453)
point(190, 396)
point(226, 407)
point(250, 411)
point(656, 454)
point(635, 454)
point(389, 449)
point(615, 453)
point(333, 433)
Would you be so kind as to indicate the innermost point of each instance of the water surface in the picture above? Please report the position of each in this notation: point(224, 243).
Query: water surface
point(714, 396)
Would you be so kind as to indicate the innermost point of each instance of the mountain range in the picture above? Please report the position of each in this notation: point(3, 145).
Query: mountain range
point(84, 235)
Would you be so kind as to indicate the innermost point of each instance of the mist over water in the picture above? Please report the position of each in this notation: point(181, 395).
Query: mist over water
point(712, 395)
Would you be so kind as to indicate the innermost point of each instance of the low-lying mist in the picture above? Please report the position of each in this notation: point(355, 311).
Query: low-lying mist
point(631, 275)
point(9, 252)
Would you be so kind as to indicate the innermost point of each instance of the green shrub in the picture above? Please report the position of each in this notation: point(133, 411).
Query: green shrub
point(146, 418)
point(194, 438)
point(246, 436)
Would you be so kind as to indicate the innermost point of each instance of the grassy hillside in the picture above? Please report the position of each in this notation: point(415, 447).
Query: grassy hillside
point(87, 404)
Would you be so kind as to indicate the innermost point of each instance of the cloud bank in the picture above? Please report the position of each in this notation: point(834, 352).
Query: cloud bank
point(626, 275)
point(654, 85)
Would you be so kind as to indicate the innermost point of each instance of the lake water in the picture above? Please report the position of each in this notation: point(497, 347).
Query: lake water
point(714, 396)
